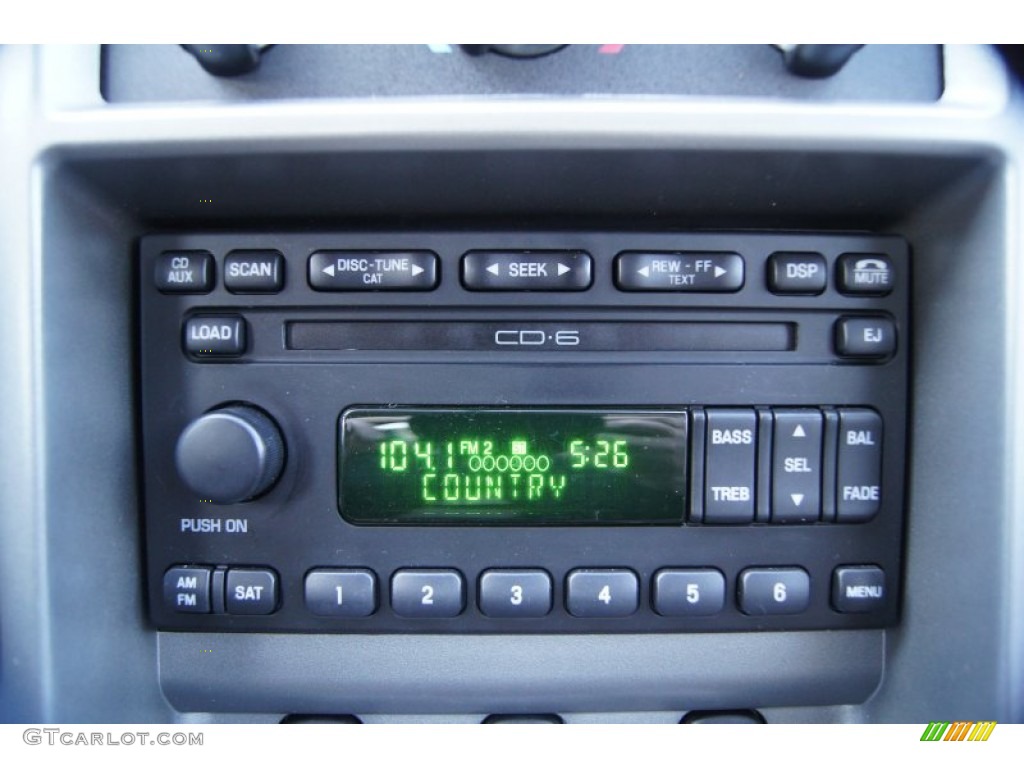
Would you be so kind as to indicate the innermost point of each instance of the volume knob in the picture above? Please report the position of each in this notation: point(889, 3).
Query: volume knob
point(230, 454)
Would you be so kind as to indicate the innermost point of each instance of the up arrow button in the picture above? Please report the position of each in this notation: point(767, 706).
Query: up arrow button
point(526, 270)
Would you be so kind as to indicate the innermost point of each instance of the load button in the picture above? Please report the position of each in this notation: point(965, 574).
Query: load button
point(215, 335)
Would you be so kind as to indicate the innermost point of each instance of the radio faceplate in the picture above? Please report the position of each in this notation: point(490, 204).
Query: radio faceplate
point(254, 346)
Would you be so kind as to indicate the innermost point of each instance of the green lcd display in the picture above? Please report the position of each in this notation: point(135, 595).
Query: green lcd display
point(444, 466)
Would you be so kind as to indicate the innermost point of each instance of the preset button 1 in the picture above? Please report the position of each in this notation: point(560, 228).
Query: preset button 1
point(526, 270)
point(348, 593)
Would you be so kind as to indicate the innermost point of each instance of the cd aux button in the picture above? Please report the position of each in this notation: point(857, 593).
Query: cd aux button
point(184, 272)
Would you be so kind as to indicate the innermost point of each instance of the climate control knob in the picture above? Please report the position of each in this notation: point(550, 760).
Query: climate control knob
point(230, 454)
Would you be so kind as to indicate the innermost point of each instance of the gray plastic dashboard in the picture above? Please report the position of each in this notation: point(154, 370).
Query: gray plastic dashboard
point(85, 179)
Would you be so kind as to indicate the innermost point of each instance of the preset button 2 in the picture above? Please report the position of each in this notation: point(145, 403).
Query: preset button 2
point(427, 594)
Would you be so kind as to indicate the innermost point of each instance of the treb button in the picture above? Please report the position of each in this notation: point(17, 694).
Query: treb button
point(689, 272)
point(526, 270)
point(373, 271)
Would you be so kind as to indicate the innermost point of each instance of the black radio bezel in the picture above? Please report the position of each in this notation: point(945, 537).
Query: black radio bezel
point(295, 527)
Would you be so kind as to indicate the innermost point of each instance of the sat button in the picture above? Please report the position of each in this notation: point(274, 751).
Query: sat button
point(251, 591)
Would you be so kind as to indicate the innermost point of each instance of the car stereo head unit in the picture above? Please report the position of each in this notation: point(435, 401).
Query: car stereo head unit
point(523, 432)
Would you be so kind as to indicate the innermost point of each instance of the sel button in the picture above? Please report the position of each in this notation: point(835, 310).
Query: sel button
point(526, 270)
point(796, 467)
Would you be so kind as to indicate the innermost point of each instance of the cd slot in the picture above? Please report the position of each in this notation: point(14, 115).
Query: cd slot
point(567, 336)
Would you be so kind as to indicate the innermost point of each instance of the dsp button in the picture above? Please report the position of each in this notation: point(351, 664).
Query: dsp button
point(730, 458)
point(184, 272)
point(526, 270)
point(215, 335)
point(251, 591)
point(859, 474)
point(797, 273)
point(373, 271)
point(254, 272)
point(692, 272)
point(796, 466)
